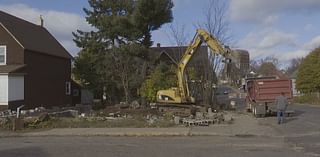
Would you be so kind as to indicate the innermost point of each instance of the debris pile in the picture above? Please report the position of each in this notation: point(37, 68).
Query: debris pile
point(120, 115)
point(204, 119)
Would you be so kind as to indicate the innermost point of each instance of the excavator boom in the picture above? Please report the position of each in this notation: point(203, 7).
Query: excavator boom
point(181, 94)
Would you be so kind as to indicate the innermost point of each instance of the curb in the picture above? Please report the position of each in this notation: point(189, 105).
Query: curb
point(135, 134)
point(117, 132)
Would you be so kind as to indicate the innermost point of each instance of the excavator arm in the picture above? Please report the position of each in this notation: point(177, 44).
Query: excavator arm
point(181, 95)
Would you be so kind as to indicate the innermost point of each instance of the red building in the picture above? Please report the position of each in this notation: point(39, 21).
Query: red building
point(35, 69)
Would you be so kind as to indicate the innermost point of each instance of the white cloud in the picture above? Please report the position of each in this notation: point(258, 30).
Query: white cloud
point(309, 27)
point(60, 24)
point(268, 39)
point(260, 10)
point(277, 38)
point(314, 43)
point(281, 45)
point(270, 20)
point(286, 56)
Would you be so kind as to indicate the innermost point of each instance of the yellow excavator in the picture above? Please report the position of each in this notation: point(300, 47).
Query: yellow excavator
point(181, 95)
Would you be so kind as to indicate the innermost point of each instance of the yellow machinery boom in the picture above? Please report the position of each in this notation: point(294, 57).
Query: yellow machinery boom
point(181, 94)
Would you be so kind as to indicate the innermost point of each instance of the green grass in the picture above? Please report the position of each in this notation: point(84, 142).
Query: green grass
point(307, 99)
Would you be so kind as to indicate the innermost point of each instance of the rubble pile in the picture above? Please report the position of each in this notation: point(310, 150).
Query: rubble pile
point(204, 119)
point(122, 114)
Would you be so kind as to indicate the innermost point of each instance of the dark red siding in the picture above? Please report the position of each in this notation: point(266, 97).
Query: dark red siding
point(267, 90)
point(14, 50)
point(3, 107)
point(45, 82)
point(14, 104)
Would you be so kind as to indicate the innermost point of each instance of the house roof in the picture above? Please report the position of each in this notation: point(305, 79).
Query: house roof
point(12, 69)
point(174, 53)
point(32, 37)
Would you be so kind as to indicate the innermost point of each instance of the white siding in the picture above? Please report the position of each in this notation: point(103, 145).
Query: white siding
point(3, 90)
point(16, 88)
point(295, 92)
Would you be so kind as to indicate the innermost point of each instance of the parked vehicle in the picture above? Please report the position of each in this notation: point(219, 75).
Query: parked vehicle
point(261, 94)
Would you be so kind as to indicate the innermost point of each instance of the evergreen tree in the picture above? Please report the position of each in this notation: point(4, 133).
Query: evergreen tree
point(114, 53)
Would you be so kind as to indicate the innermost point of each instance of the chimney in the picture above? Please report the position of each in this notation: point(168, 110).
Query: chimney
point(41, 21)
point(158, 45)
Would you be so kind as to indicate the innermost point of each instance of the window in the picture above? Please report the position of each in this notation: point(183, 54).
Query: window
point(68, 88)
point(3, 51)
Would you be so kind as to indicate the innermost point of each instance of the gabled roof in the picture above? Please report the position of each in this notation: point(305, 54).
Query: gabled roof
point(32, 37)
point(174, 52)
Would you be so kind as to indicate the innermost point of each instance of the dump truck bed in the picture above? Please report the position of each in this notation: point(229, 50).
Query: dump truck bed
point(266, 90)
point(262, 92)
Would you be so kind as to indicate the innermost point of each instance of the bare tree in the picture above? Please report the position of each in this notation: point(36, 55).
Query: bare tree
point(294, 65)
point(216, 23)
point(178, 37)
point(270, 66)
point(271, 59)
point(177, 34)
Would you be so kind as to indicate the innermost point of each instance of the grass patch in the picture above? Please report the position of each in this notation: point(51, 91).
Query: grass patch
point(91, 123)
point(98, 123)
point(6, 124)
point(307, 99)
point(134, 119)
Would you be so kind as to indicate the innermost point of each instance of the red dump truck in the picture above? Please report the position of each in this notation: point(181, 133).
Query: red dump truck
point(261, 94)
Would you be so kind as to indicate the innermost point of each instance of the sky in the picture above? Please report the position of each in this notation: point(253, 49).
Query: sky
point(284, 29)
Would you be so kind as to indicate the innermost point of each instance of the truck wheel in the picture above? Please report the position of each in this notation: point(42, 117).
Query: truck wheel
point(248, 107)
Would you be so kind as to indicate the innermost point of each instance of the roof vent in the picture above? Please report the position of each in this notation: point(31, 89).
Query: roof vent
point(41, 21)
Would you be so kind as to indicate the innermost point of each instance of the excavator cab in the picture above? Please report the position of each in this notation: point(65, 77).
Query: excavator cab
point(172, 96)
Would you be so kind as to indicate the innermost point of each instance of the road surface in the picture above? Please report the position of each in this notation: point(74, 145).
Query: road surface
point(150, 146)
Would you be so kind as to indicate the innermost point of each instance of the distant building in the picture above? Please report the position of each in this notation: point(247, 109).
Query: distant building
point(293, 78)
point(242, 61)
point(240, 66)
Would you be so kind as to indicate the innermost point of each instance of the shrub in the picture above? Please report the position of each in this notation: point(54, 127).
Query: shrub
point(308, 99)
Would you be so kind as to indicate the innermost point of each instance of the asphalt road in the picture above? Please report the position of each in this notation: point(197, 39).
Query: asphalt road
point(149, 146)
point(301, 130)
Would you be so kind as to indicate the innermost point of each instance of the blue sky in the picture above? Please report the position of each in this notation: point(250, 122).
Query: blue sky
point(285, 29)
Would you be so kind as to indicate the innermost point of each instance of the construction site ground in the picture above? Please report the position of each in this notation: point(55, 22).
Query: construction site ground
point(247, 136)
point(305, 122)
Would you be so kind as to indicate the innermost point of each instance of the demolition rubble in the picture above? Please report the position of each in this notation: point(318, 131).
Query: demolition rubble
point(120, 115)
